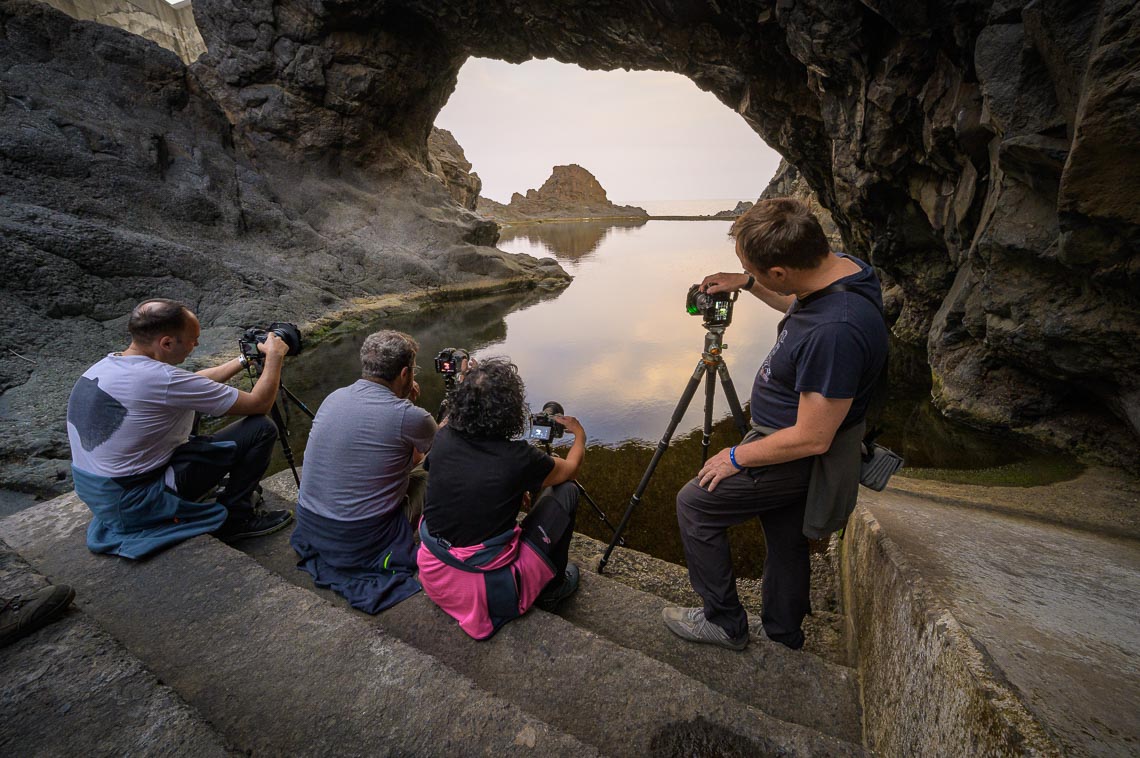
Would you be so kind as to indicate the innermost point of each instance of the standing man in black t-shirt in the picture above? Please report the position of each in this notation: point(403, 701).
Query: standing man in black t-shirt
point(808, 401)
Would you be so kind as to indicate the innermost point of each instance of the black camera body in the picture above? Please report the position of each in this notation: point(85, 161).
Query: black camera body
point(449, 362)
point(715, 309)
point(543, 427)
point(289, 333)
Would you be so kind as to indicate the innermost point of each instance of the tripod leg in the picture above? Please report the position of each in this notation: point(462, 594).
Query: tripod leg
point(682, 406)
point(709, 387)
point(297, 401)
point(597, 509)
point(283, 438)
point(733, 401)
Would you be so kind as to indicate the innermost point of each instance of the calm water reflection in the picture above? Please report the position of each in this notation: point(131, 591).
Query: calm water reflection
point(616, 348)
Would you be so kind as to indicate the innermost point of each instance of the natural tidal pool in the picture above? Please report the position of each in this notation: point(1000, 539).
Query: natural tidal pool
point(616, 349)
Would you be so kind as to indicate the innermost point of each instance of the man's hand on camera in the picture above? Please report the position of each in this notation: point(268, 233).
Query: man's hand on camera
point(572, 425)
point(716, 469)
point(273, 345)
point(723, 282)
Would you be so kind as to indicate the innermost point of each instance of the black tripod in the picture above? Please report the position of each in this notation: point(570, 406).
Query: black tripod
point(280, 414)
point(597, 509)
point(711, 364)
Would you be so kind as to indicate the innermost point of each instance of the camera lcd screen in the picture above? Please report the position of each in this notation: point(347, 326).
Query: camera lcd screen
point(722, 310)
point(540, 433)
point(445, 366)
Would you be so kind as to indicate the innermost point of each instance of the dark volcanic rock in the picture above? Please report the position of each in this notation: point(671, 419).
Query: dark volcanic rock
point(570, 192)
point(121, 178)
point(980, 153)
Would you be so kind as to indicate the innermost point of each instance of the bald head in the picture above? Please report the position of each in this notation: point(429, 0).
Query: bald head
point(156, 318)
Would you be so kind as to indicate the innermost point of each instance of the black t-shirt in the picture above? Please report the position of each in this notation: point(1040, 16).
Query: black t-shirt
point(476, 485)
point(835, 346)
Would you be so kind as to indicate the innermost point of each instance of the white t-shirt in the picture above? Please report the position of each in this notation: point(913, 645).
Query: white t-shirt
point(128, 413)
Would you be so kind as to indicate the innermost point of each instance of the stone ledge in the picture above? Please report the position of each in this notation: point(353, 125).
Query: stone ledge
point(273, 668)
point(928, 689)
point(71, 689)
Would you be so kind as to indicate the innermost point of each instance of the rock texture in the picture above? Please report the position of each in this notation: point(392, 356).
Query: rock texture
point(123, 178)
point(157, 20)
point(447, 160)
point(981, 153)
point(570, 192)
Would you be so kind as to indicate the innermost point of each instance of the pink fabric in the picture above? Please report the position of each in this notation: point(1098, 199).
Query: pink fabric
point(463, 594)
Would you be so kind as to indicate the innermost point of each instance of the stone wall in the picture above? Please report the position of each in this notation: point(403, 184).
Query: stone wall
point(927, 688)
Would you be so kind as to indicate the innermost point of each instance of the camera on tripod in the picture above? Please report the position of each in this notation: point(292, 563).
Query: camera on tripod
point(289, 333)
point(716, 309)
point(543, 427)
point(449, 362)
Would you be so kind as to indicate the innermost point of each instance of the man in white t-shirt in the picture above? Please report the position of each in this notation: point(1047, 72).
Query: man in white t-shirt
point(129, 420)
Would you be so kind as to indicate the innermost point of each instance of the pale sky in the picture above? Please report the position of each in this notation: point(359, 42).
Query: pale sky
point(646, 135)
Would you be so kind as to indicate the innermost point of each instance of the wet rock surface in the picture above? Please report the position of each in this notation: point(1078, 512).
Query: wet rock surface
point(570, 192)
point(981, 155)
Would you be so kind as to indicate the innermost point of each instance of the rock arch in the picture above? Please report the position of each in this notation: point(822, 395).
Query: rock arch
point(981, 153)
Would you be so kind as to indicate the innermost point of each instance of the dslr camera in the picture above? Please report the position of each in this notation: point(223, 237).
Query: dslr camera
point(543, 427)
point(449, 362)
point(249, 340)
point(716, 309)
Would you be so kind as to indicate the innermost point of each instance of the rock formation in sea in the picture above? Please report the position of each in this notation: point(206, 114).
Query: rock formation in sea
point(739, 210)
point(570, 192)
point(981, 153)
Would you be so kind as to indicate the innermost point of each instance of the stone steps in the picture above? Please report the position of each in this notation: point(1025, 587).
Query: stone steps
point(792, 686)
point(277, 666)
point(273, 668)
point(608, 636)
point(71, 689)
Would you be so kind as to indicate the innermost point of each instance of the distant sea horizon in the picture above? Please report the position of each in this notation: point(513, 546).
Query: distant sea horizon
point(685, 207)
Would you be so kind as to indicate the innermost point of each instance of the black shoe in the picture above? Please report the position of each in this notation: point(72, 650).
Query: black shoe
point(25, 614)
point(551, 597)
point(257, 524)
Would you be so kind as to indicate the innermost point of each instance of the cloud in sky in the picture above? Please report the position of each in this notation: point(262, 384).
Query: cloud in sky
point(646, 135)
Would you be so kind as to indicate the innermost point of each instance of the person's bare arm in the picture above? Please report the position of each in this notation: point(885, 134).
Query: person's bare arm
point(726, 282)
point(567, 468)
point(817, 420)
point(222, 373)
point(260, 399)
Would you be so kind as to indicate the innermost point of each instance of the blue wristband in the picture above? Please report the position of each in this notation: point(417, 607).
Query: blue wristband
point(732, 457)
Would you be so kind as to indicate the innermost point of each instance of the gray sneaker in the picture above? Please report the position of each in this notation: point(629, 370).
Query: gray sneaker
point(23, 614)
point(691, 624)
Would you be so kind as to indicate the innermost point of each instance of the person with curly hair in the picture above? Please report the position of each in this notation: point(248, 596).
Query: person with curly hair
point(476, 562)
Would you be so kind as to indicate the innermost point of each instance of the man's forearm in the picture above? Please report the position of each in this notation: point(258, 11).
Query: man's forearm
point(779, 447)
point(773, 299)
point(223, 372)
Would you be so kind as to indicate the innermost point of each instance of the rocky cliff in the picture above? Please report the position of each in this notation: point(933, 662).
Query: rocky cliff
point(157, 20)
point(981, 153)
point(570, 192)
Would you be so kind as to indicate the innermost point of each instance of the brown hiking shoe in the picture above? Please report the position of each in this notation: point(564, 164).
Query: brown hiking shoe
point(23, 614)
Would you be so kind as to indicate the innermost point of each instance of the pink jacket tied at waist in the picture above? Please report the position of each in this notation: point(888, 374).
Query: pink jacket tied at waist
point(462, 593)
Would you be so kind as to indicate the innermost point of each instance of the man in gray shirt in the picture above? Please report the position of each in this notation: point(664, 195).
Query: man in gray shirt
point(361, 487)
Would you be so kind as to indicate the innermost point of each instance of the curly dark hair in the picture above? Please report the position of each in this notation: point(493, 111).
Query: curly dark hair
point(490, 402)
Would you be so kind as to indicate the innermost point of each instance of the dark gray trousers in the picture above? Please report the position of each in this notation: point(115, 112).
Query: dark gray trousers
point(195, 477)
point(776, 495)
